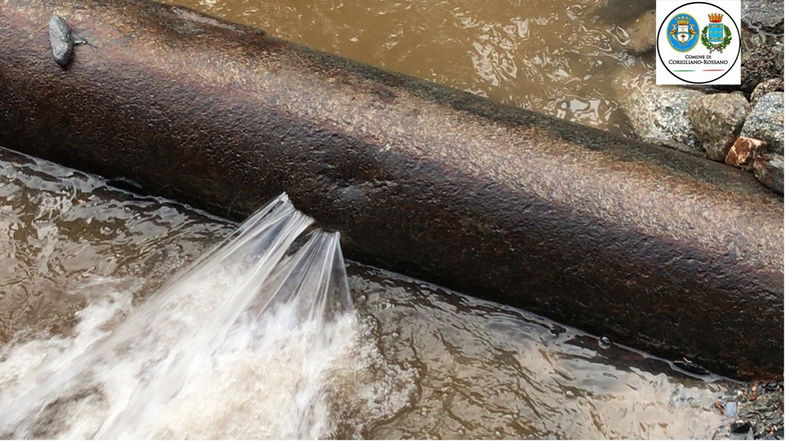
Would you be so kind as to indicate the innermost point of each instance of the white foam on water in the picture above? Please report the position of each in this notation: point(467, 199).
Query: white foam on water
point(240, 345)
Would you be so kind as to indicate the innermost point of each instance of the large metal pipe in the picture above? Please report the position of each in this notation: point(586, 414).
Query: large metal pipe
point(657, 249)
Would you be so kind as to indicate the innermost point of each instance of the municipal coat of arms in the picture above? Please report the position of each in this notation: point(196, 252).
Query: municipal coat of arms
point(716, 36)
point(682, 34)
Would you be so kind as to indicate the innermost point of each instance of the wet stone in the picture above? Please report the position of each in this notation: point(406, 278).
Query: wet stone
point(61, 40)
point(641, 32)
point(622, 11)
point(691, 367)
point(731, 409)
point(765, 121)
point(760, 412)
point(768, 170)
point(717, 120)
point(740, 426)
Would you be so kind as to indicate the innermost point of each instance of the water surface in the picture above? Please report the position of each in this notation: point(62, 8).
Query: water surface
point(77, 256)
point(554, 56)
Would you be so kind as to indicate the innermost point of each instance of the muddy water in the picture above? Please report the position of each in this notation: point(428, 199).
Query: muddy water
point(552, 56)
point(427, 362)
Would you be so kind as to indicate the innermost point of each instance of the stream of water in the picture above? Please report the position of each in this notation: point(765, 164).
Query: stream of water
point(134, 316)
point(257, 311)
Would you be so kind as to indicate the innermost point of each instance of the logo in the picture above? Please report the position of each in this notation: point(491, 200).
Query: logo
point(683, 32)
point(681, 25)
point(716, 36)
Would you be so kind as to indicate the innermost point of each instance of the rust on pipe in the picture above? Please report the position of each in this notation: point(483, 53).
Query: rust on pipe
point(666, 252)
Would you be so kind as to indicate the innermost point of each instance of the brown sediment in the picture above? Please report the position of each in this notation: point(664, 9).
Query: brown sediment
point(654, 248)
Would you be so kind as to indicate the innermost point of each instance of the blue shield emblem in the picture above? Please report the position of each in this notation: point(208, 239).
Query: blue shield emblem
point(715, 33)
point(683, 32)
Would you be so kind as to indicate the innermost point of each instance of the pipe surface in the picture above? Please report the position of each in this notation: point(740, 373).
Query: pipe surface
point(653, 248)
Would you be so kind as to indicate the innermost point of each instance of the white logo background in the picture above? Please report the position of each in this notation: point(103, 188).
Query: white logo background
point(699, 65)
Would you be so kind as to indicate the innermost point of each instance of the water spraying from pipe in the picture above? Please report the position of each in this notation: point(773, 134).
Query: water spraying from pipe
point(239, 345)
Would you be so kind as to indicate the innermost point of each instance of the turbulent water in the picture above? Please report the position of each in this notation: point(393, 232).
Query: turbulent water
point(554, 56)
point(234, 319)
point(107, 333)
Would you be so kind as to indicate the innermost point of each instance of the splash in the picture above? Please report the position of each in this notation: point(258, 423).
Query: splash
point(239, 345)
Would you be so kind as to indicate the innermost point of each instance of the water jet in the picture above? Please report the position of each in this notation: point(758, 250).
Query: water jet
point(273, 296)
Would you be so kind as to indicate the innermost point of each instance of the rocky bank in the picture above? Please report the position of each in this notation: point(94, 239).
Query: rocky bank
point(741, 126)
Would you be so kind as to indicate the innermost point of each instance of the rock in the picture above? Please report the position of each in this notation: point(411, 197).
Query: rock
point(691, 367)
point(740, 426)
point(760, 63)
point(763, 15)
point(657, 114)
point(61, 40)
point(717, 120)
point(731, 409)
point(761, 58)
point(768, 170)
point(641, 32)
point(743, 151)
point(766, 87)
point(621, 11)
point(764, 412)
point(765, 121)
point(758, 413)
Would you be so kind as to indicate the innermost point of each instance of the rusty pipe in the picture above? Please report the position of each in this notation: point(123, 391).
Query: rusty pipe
point(666, 252)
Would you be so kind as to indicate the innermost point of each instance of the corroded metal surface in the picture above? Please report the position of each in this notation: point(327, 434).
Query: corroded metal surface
point(657, 249)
